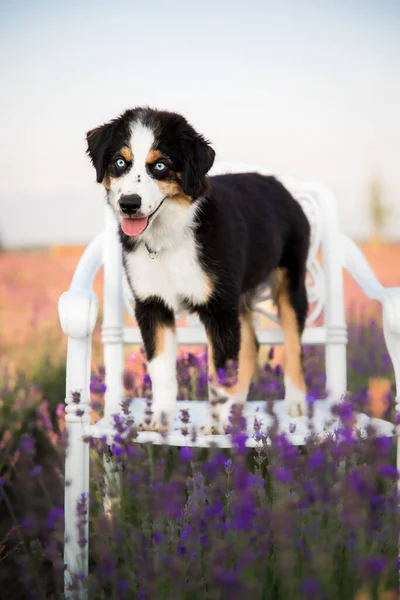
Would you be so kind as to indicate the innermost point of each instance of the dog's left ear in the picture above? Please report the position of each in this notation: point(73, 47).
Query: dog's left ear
point(198, 159)
point(98, 141)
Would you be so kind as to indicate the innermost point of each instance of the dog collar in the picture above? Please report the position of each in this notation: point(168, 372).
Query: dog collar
point(152, 253)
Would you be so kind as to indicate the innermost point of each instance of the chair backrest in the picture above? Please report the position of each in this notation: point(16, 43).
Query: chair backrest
point(326, 320)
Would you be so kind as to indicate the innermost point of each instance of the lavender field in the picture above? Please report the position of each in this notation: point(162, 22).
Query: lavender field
point(273, 523)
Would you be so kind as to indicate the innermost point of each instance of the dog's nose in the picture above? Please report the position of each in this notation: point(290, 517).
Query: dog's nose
point(130, 204)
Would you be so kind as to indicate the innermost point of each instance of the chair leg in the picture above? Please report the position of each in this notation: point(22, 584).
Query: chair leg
point(112, 483)
point(76, 509)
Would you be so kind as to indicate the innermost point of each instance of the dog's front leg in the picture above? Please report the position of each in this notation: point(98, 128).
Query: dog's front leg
point(157, 326)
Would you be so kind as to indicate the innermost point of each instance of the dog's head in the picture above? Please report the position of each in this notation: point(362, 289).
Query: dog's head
point(147, 159)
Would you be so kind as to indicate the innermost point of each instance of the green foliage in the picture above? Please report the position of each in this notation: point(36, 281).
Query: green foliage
point(379, 212)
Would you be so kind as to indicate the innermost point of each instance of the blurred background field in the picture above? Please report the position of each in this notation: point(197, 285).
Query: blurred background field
point(31, 281)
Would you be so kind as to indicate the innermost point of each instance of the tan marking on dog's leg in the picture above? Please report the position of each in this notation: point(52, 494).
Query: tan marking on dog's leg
point(160, 339)
point(247, 355)
point(295, 387)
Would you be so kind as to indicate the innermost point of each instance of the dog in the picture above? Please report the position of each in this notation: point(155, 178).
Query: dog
point(205, 245)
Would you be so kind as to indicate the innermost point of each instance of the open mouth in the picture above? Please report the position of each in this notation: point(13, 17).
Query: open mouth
point(132, 226)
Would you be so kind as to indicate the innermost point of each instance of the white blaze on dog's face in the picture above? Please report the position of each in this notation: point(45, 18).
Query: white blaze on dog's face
point(135, 175)
point(149, 161)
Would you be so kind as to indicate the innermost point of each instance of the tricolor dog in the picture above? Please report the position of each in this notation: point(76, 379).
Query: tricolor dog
point(204, 245)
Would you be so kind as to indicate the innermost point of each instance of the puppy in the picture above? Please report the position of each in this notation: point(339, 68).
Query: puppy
point(205, 245)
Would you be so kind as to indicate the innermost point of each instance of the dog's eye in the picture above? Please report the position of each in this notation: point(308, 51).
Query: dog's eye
point(120, 163)
point(159, 166)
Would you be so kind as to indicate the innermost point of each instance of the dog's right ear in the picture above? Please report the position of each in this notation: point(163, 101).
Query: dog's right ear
point(98, 141)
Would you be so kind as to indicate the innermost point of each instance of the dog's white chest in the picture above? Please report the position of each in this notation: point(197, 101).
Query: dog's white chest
point(173, 275)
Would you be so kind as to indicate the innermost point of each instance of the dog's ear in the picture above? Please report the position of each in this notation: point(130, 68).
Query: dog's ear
point(198, 160)
point(98, 141)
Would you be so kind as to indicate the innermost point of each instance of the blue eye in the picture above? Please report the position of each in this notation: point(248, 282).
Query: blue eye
point(120, 162)
point(160, 166)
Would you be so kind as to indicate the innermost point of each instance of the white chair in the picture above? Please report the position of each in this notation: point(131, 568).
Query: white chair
point(78, 313)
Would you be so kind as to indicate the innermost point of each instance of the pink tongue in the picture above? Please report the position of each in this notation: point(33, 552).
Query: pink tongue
point(134, 227)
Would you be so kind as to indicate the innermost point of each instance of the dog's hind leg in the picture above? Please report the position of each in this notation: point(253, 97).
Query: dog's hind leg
point(292, 303)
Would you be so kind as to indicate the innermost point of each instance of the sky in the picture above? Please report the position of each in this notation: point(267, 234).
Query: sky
point(309, 88)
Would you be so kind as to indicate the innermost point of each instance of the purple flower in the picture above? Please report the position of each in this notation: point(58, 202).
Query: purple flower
point(36, 471)
point(384, 444)
point(345, 411)
point(123, 586)
point(316, 460)
point(76, 397)
point(239, 441)
point(228, 466)
point(117, 450)
point(27, 445)
point(256, 481)
point(226, 579)
point(372, 566)
point(185, 533)
point(26, 522)
point(157, 537)
point(97, 386)
point(54, 515)
point(388, 471)
point(107, 566)
point(310, 588)
point(358, 483)
point(282, 475)
point(186, 453)
point(244, 514)
point(213, 510)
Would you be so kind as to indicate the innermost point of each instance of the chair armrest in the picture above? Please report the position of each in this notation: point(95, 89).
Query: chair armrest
point(77, 311)
point(78, 307)
point(358, 267)
point(355, 262)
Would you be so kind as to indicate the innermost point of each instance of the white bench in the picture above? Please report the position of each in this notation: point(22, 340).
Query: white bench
point(78, 308)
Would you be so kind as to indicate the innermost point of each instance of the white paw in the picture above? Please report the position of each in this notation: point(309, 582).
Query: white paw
point(218, 423)
point(220, 406)
point(159, 421)
point(295, 400)
point(212, 429)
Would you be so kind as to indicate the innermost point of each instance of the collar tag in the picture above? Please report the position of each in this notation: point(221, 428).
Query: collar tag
point(153, 254)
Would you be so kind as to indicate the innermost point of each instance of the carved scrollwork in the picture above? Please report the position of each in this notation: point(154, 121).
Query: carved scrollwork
point(315, 280)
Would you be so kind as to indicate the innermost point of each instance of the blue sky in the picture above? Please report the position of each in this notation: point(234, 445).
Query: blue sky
point(308, 88)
